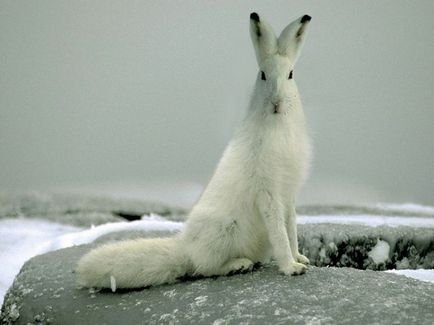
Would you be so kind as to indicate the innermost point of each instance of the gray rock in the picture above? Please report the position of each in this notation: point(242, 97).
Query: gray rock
point(337, 209)
point(81, 210)
point(351, 246)
point(45, 292)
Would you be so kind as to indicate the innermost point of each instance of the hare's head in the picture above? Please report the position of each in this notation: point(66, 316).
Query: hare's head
point(276, 59)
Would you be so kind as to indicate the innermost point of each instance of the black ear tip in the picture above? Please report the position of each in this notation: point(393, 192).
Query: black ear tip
point(254, 16)
point(305, 18)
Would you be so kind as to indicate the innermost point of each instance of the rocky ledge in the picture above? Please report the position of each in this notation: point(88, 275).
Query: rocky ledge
point(45, 292)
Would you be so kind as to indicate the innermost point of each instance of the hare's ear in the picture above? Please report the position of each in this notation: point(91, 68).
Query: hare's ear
point(292, 37)
point(263, 38)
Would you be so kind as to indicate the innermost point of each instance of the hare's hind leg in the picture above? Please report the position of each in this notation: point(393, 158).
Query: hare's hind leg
point(213, 250)
point(237, 265)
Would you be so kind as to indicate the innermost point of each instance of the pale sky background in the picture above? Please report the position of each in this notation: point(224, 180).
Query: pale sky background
point(127, 94)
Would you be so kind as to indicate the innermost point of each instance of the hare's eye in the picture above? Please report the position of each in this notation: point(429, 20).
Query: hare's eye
point(290, 75)
point(263, 75)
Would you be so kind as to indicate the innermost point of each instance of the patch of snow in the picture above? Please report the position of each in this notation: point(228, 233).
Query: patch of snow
point(420, 274)
point(333, 246)
point(322, 253)
point(368, 220)
point(407, 207)
point(403, 264)
point(21, 239)
point(380, 252)
point(148, 223)
point(14, 313)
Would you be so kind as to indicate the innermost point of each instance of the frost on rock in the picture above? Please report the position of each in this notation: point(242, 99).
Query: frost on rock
point(45, 290)
point(364, 247)
point(259, 297)
point(14, 313)
point(201, 300)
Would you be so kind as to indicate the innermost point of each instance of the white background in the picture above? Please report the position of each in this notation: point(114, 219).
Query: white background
point(94, 93)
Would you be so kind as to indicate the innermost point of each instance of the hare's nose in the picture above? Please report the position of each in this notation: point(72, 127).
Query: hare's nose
point(275, 102)
point(276, 106)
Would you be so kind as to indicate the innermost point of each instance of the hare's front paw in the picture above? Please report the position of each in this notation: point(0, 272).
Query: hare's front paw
point(302, 259)
point(293, 269)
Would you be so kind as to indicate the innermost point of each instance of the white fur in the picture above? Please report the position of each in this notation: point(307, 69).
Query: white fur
point(246, 214)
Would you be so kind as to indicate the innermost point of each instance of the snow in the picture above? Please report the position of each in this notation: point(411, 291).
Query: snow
point(380, 252)
point(25, 238)
point(22, 239)
point(147, 223)
point(422, 275)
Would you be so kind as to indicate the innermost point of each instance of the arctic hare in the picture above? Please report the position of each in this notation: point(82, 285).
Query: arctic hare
point(246, 214)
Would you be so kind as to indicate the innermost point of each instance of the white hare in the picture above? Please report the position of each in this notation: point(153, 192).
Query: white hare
point(246, 214)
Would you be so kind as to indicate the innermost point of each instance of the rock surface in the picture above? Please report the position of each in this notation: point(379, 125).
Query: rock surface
point(363, 247)
point(81, 210)
point(45, 292)
point(402, 210)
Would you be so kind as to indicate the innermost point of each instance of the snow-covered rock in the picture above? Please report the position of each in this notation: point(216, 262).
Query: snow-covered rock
point(365, 247)
point(376, 237)
point(380, 252)
point(45, 292)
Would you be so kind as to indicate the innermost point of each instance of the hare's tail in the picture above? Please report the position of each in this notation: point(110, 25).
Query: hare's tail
point(133, 264)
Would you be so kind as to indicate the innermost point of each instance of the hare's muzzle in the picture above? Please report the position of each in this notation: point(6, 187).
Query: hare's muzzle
point(277, 107)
